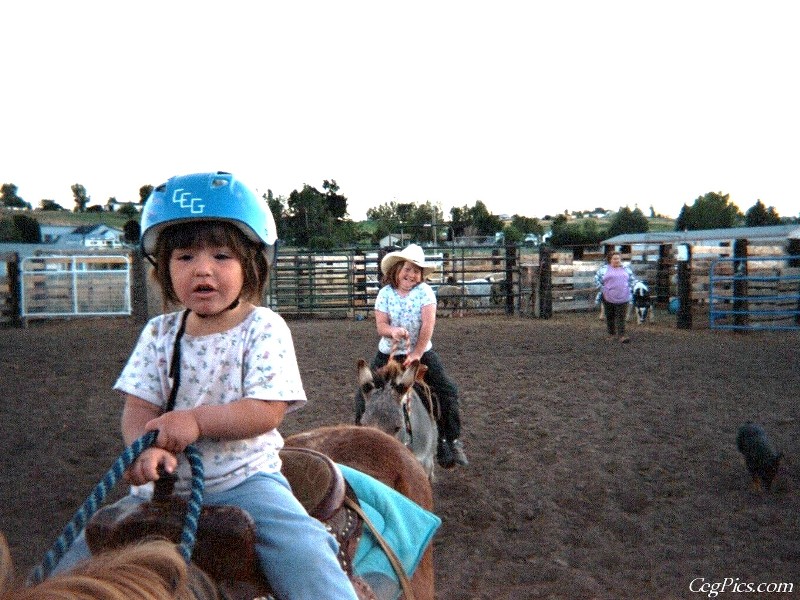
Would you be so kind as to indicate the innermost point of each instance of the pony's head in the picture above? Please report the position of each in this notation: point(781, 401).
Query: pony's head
point(152, 570)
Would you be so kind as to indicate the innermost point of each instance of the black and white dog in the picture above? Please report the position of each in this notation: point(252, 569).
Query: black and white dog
point(642, 302)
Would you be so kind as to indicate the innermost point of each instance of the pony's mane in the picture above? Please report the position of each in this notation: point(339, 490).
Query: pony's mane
point(152, 570)
point(390, 370)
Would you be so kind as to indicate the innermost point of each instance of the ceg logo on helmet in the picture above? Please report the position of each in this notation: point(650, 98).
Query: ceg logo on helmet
point(186, 200)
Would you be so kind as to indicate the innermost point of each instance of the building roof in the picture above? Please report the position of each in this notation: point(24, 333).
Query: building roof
point(769, 233)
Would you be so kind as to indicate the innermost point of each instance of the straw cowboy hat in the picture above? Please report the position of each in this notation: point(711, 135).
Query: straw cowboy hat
point(412, 253)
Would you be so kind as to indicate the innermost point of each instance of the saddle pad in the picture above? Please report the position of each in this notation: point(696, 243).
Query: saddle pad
point(405, 525)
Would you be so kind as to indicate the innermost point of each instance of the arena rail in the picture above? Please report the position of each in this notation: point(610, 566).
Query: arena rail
point(750, 293)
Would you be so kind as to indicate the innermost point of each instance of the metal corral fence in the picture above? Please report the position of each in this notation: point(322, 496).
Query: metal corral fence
point(344, 283)
point(71, 286)
point(755, 292)
point(480, 280)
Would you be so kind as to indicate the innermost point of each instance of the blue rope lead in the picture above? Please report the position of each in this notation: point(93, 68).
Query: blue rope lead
point(92, 503)
point(189, 534)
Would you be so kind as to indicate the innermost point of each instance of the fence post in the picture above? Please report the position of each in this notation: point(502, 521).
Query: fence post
point(684, 286)
point(545, 283)
point(359, 281)
point(139, 308)
point(740, 303)
point(663, 273)
point(14, 290)
point(511, 263)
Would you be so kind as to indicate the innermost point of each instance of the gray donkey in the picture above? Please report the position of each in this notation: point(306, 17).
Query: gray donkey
point(393, 406)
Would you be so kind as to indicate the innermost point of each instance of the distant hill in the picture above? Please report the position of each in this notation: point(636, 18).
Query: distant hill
point(63, 217)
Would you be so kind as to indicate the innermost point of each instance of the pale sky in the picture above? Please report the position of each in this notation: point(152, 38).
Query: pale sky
point(531, 107)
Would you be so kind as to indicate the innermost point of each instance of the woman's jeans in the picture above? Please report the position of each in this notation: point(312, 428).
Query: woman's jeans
point(615, 317)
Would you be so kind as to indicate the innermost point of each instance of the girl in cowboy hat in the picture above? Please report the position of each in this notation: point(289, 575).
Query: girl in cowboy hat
point(405, 314)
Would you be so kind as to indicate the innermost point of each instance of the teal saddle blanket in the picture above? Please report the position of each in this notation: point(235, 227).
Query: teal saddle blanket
point(405, 525)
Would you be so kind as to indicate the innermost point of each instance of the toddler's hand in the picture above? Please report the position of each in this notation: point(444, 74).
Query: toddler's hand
point(145, 468)
point(176, 430)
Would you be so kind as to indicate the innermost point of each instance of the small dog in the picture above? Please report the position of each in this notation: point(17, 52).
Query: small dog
point(759, 455)
point(642, 302)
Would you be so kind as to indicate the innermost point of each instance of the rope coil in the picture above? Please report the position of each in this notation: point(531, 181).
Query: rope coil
point(99, 493)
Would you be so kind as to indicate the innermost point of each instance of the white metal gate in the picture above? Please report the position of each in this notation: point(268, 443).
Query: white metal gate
point(64, 286)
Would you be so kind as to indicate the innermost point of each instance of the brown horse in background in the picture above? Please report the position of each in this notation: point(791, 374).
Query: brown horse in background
point(386, 459)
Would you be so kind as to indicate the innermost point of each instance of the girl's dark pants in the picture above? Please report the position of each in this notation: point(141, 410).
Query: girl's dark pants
point(615, 317)
point(449, 419)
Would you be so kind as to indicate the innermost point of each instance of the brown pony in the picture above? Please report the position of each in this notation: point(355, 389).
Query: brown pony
point(386, 459)
point(156, 571)
point(151, 570)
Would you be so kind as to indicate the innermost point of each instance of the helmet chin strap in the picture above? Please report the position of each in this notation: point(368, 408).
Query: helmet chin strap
point(231, 306)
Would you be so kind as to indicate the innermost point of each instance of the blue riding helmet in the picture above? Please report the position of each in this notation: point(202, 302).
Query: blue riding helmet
point(208, 196)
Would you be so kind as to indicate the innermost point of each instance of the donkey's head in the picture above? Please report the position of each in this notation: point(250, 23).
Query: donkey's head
point(384, 390)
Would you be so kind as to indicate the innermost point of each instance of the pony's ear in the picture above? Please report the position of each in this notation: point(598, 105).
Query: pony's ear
point(421, 373)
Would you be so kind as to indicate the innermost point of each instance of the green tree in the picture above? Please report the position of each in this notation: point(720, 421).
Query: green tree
point(80, 197)
point(28, 229)
point(51, 205)
point(385, 219)
point(581, 232)
point(132, 231)
point(335, 204)
point(9, 197)
point(424, 221)
point(315, 219)
point(459, 219)
point(626, 220)
point(306, 215)
point(475, 219)
point(417, 222)
point(128, 209)
point(759, 215)
point(8, 233)
point(681, 223)
point(485, 222)
point(512, 234)
point(712, 211)
point(527, 225)
point(144, 193)
point(277, 206)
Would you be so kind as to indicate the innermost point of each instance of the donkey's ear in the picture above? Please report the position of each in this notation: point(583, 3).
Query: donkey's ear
point(421, 373)
point(364, 374)
point(410, 374)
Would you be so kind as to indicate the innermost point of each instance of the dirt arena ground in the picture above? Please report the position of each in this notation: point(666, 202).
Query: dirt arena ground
point(599, 470)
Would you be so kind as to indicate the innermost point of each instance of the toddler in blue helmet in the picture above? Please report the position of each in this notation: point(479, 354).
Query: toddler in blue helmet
point(221, 375)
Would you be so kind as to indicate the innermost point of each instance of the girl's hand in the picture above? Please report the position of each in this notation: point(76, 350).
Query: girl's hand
point(176, 430)
point(145, 468)
point(399, 334)
point(411, 357)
